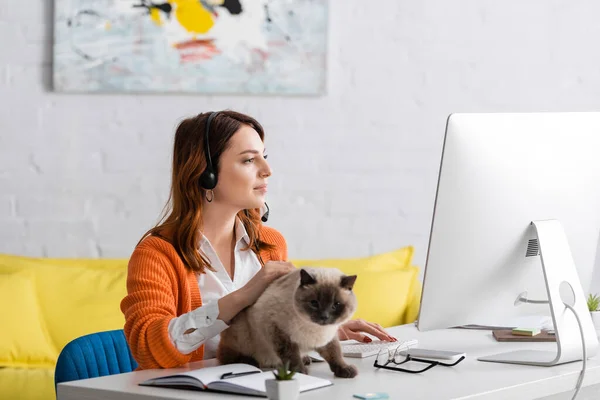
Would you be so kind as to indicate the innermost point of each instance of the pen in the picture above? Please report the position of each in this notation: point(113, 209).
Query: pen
point(228, 375)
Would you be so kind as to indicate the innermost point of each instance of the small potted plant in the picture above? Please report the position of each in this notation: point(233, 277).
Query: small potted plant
point(283, 387)
point(593, 303)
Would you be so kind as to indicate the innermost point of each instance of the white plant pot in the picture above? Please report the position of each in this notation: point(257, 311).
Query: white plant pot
point(282, 390)
point(596, 321)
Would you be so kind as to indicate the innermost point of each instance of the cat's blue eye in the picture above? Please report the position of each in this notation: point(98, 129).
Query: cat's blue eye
point(314, 304)
point(335, 305)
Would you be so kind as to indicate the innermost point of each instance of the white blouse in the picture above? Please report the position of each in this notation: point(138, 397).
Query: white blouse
point(213, 286)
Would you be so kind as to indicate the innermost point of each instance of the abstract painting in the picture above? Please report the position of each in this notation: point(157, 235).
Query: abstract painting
point(191, 46)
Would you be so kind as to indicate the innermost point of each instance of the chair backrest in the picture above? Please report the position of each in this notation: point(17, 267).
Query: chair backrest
point(93, 355)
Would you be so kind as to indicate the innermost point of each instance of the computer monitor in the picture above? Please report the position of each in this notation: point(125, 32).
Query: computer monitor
point(517, 210)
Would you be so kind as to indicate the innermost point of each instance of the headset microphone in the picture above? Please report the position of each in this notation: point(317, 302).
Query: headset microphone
point(265, 216)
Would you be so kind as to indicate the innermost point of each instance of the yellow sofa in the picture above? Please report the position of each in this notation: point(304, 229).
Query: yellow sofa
point(48, 302)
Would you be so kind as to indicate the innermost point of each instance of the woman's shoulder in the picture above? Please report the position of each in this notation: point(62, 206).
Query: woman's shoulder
point(271, 235)
point(155, 242)
point(155, 255)
point(157, 247)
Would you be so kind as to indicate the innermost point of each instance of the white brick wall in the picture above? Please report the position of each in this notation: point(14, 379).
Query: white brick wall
point(355, 170)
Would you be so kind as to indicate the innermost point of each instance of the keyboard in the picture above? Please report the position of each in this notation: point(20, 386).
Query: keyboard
point(362, 350)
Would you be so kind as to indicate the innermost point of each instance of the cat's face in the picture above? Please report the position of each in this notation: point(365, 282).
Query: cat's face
point(326, 300)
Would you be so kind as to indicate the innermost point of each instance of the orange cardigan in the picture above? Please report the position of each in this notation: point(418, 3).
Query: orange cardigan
point(160, 288)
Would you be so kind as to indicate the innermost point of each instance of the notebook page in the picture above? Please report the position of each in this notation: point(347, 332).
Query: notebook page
point(207, 375)
point(256, 382)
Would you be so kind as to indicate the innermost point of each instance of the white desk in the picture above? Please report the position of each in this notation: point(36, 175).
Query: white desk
point(471, 379)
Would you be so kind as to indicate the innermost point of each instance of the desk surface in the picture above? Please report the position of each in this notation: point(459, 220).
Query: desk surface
point(470, 379)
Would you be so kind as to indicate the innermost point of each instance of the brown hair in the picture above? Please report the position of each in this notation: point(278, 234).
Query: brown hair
point(181, 221)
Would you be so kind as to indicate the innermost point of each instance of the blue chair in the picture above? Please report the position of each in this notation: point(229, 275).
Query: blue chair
point(93, 355)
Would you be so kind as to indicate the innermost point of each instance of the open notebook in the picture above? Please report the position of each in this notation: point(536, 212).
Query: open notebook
point(251, 382)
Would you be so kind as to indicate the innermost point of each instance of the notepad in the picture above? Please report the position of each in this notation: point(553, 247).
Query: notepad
point(526, 331)
point(506, 335)
point(250, 382)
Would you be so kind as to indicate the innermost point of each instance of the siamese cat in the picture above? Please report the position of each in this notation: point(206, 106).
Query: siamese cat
point(299, 312)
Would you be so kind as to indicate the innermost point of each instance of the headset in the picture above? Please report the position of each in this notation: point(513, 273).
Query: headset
point(208, 178)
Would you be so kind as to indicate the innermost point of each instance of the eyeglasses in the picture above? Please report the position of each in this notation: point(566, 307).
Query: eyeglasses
point(399, 356)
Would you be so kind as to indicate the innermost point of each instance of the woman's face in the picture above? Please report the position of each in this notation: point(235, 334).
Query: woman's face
point(243, 171)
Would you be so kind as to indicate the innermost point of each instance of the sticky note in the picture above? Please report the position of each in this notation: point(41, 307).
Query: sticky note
point(371, 396)
point(526, 331)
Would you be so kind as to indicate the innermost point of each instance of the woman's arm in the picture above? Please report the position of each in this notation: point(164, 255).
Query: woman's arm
point(233, 303)
point(189, 331)
point(149, 306)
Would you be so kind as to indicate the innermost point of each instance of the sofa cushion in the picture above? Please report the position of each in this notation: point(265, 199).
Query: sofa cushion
point(91, 306)
point(27, 384)
point(24, 340)
point(77, 296)
point(392, 260)
point(387, 288)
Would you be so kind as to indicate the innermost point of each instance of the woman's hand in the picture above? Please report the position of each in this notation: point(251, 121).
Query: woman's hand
point(231, 304)
point(353, 328)
point(267, 274)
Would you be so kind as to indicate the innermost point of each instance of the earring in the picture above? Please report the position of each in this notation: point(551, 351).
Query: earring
point(212, 195)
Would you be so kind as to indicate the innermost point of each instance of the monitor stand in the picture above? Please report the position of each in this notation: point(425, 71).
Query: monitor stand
point(563, 286)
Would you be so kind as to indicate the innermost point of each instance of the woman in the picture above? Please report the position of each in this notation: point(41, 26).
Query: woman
point(210, 256)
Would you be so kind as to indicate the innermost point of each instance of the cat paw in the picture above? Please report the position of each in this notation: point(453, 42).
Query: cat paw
point(345, 371)
point(306, 360)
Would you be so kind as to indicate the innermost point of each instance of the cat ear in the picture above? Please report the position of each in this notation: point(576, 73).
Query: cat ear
point(306, 278)
point(347, 282)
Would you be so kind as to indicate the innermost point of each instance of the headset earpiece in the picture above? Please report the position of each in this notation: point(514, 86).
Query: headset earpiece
point(208, 178)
